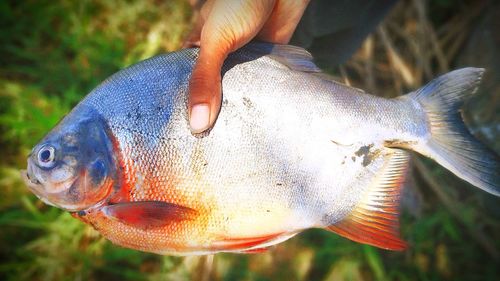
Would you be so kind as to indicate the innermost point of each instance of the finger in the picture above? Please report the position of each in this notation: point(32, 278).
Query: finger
point(234, 22)
point(228, 26)
point(283, 20)
point(205, 90)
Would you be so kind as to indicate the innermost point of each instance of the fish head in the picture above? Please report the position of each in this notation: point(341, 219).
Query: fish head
point(72, 167)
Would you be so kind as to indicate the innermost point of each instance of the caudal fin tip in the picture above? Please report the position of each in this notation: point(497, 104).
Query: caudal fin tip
point(451, 144)
point(476, 70)
point(473, 75)
point(479, 72)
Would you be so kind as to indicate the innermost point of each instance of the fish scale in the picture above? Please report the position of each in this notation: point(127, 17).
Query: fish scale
point(239, 184)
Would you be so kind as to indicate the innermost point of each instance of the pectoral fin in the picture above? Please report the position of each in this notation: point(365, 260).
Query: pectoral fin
point(374, 221)
point(148, 214)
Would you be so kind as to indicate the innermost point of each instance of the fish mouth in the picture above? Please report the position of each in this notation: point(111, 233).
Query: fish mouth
point(30, 181)
point(35, 186)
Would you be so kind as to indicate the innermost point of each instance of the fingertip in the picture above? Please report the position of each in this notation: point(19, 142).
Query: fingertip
point(199, 118)
point(204, 110)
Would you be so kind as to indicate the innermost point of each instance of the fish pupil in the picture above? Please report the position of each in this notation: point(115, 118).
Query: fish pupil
point(45, 156)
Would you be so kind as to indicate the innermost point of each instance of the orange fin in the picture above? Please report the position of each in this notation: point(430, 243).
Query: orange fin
point(374, 221)
point(255, 251)
point(243, 245)
point(148, 214)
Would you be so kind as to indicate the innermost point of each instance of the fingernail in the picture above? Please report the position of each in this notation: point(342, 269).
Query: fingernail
point(200, 116)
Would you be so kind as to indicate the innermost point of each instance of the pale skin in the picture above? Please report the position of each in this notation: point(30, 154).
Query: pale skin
point(223, 27)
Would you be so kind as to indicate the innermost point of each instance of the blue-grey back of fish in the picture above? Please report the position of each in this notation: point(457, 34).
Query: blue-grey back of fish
point(291, 149)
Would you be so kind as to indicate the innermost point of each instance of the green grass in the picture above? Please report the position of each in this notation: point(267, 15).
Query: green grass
point(54, 52)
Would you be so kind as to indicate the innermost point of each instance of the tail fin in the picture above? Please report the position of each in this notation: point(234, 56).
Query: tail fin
point(450, 143)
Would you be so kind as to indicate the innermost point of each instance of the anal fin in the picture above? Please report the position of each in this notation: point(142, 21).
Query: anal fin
point(374, 221)
point(251, 245)
point(243, 244)
point(255, 251)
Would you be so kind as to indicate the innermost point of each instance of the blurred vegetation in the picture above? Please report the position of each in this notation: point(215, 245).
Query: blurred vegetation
point(54, 52)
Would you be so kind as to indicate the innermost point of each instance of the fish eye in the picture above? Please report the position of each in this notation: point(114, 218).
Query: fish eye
point(46, 156)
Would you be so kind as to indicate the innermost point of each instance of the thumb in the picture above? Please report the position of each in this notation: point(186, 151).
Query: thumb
point(228, 26)
point(205, 89)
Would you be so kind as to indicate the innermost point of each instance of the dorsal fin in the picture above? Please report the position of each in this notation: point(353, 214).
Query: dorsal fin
point(374, 220)
point(293, 57)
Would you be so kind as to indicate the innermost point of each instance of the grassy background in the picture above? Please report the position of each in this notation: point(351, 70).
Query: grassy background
point(54, 52)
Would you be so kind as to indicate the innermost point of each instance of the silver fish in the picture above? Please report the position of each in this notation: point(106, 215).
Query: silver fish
point(292, 149)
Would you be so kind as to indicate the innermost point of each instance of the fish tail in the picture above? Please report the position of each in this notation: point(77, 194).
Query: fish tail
point(449, 142)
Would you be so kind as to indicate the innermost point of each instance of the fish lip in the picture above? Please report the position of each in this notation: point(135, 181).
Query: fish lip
point(38, 189)
point(35, 186)
point(31, 182)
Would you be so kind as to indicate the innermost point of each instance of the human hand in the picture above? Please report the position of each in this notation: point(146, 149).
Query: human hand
point(225, 26)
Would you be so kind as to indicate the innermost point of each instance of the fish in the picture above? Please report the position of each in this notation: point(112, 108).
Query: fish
point(292, 149)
